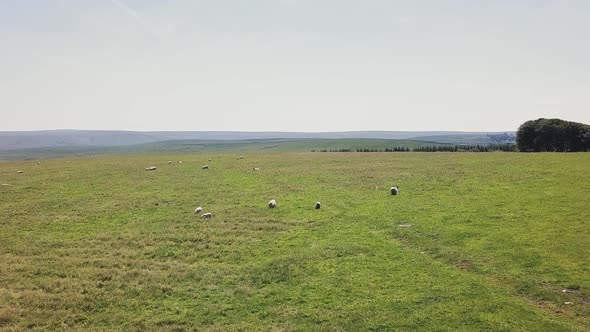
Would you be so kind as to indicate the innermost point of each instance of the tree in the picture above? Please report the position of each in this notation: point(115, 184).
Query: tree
point(554, 135)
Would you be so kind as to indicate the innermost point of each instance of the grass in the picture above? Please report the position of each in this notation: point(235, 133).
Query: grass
point(99, 243)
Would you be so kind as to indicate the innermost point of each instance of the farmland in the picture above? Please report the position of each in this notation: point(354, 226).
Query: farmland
point(491, 242)
point(215, 146)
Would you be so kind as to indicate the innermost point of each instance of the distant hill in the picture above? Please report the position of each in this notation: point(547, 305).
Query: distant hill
point(16, 140)
point(239, 146)
point(283, 145)
point(466, 138)
point(13, 140)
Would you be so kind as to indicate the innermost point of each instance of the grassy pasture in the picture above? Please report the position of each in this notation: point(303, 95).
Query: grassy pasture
point(216, 146)
point(100, 243)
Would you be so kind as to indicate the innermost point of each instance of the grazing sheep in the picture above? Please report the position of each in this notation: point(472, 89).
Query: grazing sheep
point(197, 210)
point(317, 205)
point(151, 168)
point(20, 172)
point(180, 161)
point(209, 159)
point(205, 167)
point(169, 162)
point(394, 190)
point(256, 168)
point(272, 204)
point(240, 157)
point(207, 215)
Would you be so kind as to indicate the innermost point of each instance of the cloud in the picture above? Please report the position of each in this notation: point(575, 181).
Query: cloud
point(127, 9)
point(141, 21)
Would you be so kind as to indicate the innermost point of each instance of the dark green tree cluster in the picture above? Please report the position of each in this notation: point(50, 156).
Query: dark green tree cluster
point(369, 150)
point(506, 147)
point(553, 135)
point(398, 149)
point(437, 148)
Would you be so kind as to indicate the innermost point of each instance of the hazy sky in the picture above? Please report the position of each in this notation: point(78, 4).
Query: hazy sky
point(292, 65)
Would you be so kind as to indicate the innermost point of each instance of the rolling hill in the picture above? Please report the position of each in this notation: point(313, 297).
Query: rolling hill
point(59, 139)
point(193, 146)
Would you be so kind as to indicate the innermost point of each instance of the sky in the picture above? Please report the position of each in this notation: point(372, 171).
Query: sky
point(292, 65)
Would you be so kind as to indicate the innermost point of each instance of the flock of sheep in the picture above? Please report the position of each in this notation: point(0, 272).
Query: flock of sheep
point(271, 204)
point(205, 215)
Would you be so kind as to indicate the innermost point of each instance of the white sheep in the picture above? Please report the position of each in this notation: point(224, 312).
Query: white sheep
point(394, 190)
point(197, 210)
point(317, 205)
point(20, 172)
point(151, 168)
point(205, 167)
point(256, 168)
point(169, 162)
point(240, 157)
point(180, 161)
point(272, 204)
point(207, 215)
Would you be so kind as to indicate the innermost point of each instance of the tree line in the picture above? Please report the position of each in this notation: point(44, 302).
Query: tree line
point(431, 148)
point(541, 135)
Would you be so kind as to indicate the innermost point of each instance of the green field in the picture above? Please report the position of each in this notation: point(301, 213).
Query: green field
point(217, 146)
point(98, 243)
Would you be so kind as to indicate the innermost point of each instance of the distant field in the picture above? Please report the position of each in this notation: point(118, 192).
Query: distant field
point(71, 139)
point(186, 146)
point(494, 239)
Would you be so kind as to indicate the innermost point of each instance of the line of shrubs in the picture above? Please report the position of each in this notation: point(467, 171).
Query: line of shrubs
point(434, 148)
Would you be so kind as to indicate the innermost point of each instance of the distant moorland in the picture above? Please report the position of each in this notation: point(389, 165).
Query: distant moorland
point(47, 144)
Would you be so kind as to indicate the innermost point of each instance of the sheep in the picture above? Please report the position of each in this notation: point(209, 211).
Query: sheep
point(151, 168)
point(197, 210)
point(240, 157)
point(207, 215)
point(169, 162)
point(317, 205)
point(180, 161)
point(205, 167)
point(394, 190)
point(272, 204)
point(256, 169)
point(20, 172)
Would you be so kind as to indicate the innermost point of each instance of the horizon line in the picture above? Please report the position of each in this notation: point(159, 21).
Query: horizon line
point(263, 131)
